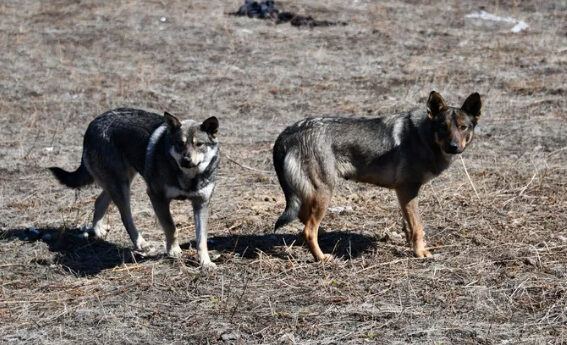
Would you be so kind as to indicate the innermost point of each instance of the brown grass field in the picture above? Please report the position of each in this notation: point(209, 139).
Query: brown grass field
point(496, 220)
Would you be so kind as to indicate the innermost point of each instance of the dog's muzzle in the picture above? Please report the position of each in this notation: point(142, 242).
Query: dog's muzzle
point(187, 163)
point(453, 148)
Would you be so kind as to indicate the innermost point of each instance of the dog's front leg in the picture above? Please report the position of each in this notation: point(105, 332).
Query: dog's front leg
point(407, 196)
point(201, 213)
point(161, 208)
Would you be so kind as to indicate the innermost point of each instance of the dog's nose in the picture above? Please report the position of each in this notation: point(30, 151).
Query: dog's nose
point(453, 148)
point(186, 162)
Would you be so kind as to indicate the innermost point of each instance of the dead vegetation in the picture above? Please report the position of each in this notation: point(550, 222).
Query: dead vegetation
point(497, 228)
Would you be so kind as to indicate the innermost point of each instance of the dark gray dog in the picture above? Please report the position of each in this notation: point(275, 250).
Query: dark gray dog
point(177, 159)
point(401, 152)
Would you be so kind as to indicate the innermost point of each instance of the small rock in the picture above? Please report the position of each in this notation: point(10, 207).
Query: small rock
point(338, 209)
point(230, 336)
point(287, 338)
point(396, 235)
point(530, 261)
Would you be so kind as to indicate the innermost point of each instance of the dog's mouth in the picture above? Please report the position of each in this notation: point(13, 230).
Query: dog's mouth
point(187, 163)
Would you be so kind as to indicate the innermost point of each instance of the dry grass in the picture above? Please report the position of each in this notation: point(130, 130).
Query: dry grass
point(500, 266)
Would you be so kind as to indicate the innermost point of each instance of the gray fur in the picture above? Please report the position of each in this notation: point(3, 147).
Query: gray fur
point(169, 155)
point(400, 152)
point(385, 151)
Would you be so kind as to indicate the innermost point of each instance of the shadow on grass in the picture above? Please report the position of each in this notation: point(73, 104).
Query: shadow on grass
point(80, 255)
point(84, 256)
point(342, 244)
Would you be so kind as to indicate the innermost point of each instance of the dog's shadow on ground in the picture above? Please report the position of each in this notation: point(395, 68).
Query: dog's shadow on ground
point(84, 256)
point(79, 254)
point(342, 244)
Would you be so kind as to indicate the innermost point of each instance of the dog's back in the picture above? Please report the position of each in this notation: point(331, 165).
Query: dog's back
point(385, 151)
point(120, 135)
point(117, 140)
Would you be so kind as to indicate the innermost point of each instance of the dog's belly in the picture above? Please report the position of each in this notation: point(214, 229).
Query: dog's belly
point(383, 176)
point(377, 180)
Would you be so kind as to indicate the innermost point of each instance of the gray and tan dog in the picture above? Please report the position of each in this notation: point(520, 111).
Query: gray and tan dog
point(177, 159)
point(401, 152)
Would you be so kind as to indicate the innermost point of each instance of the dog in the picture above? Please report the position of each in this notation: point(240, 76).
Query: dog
point(177, 159)
point(401, 152)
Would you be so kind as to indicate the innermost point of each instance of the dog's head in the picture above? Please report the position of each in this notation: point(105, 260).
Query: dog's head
point(453, 128)
point(192, 145)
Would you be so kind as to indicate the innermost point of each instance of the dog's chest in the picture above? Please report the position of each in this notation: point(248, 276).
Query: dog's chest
point(175, 192)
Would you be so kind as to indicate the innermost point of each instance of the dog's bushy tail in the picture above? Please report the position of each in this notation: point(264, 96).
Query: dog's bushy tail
point(290, 213)
point(78, 178)
point(293, 202)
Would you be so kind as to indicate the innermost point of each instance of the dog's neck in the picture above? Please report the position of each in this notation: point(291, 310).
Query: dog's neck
point(440, 159)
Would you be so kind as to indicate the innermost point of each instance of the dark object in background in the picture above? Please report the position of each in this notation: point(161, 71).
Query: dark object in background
point(311, 22)
point(254, 9)
point(268, 10)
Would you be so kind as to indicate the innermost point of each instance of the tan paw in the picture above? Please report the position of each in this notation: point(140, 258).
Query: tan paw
point(327, 258)
point(422, 253)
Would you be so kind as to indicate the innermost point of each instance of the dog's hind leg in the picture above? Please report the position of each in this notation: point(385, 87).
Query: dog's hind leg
point(161, 208)
point(120, 195)
point(407, 196)
point(101, 205)
point(311, 214)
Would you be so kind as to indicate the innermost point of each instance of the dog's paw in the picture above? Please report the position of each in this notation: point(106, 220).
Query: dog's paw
point(208, 266)
point(100, 230)
point(327, 258)
point(174, 252)
point(422, 253)
point(141, 245)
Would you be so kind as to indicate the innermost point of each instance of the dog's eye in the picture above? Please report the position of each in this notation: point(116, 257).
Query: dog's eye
point(199, 144)
point(463, 128)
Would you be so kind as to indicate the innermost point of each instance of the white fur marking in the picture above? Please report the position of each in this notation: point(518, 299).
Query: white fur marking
point(397, 131)
point(207, 158)
point(203, 161)
point(174, 192)
point(151, 148)
point(295, 175)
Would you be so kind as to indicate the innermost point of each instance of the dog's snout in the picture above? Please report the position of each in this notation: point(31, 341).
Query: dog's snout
point(453, 147)
point(186, 162)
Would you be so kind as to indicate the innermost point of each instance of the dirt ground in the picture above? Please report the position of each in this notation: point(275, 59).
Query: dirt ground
point(495, 220)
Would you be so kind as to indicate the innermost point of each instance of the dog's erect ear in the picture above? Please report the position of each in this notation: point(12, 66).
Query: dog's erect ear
point(173, 122)
point(211, 126)
point(435, 104)
point(472, 107)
